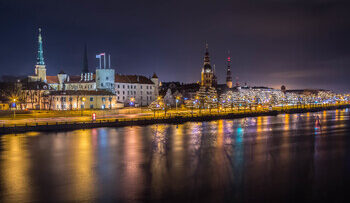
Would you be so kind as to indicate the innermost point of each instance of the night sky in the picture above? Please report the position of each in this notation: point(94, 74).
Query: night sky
point(298, 43)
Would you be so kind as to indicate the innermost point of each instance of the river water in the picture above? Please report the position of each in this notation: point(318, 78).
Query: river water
point(284, 158)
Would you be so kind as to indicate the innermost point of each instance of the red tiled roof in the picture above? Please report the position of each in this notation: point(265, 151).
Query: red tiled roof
point(132, 79)
point(51, 79)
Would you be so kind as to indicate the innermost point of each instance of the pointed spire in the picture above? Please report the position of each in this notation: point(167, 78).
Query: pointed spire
point(206, 57)
point(85, 61)
point(40, 57)
point(228, 72)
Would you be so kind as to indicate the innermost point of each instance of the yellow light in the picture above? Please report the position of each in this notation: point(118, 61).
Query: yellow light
point(83, 98)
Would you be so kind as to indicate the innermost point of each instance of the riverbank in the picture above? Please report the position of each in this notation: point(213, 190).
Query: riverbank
point(66, 126)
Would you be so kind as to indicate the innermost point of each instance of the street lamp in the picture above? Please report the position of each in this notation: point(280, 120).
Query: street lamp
point(132, 101)
point(14, 108)
point(82, 106)
point(177, 100)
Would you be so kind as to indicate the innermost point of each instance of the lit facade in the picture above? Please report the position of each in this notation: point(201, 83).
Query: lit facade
point(207, 74)
point(77, 100)
point(139, 88)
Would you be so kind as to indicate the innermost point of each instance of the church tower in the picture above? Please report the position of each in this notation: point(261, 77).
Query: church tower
point(228, 73)
point(85, 61)
point(207, 72)
point(40, 68)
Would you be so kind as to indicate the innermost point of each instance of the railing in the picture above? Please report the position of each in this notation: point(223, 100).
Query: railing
point(181, 115)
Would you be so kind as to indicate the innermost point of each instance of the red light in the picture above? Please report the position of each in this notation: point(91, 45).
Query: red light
point(228, 58)
point(94, 116)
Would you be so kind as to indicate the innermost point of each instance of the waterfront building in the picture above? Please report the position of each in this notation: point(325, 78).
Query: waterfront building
point(82, 99)
point(136, 87)
point(139, 88)
point(33, 95)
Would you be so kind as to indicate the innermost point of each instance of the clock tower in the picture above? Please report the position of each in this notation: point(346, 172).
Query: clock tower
point(207, 72)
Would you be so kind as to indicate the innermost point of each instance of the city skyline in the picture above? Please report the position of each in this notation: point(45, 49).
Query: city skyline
point(303, 51)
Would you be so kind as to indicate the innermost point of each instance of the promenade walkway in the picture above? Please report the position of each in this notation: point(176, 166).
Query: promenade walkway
point(42, 123)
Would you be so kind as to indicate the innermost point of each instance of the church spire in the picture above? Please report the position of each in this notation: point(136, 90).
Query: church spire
point(207, 75)
point(228, 73)
point(85, 61)
point(206, 57)
point(40, 58)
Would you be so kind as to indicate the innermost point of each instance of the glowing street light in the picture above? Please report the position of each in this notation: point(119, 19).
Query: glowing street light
point(177, 100)
point(82, 106)
point(132, 101)
point(13, 105)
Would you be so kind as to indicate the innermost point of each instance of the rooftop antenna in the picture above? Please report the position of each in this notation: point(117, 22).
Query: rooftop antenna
point(104, 61)
point(109, 61)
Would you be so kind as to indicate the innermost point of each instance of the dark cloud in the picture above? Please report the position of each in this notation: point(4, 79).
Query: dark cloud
point(272, 42)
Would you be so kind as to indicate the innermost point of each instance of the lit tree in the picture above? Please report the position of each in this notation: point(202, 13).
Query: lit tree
point(191, 104)
point(201, 96)
point(156, 105)
point(212, 99)
point(169, 98)
point(11, 92)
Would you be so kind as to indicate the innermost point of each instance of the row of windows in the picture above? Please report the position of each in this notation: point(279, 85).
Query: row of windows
point(147, 97)
point(99, 78)
point(132, 92)
point(63, 106)
point(80, 86)
point(63, 99)
point(134, 86)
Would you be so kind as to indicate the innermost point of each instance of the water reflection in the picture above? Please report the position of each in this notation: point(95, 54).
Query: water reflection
point(251, 159)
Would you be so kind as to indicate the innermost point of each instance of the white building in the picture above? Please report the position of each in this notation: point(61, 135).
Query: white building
point(136, 87)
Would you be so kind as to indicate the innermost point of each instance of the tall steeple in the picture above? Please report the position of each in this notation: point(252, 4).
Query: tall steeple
point(85, 61)
point(207, 72)
point(40, 58)
point(40, 67)
point(206, 56)
point(228, 73)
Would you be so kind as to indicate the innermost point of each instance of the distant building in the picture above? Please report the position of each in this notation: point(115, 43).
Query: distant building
point(187, 91)
point(307, 91)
